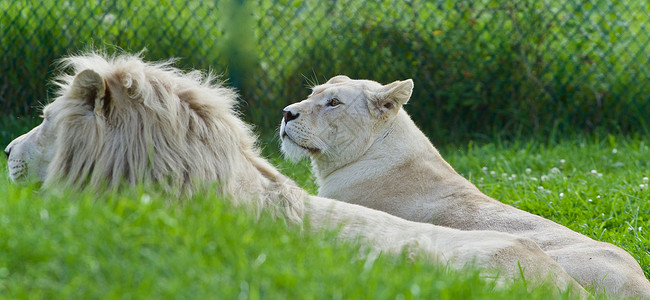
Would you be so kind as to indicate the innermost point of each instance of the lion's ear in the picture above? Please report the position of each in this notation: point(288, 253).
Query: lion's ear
point(390, 98)
point(338, 79)
point(90, 87)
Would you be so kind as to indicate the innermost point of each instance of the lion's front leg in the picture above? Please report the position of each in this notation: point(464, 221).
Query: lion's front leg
point(607, 268)
point(499, 255)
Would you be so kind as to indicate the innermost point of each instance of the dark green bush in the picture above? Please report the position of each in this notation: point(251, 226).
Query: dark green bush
point(480, 67)
point(34, 36)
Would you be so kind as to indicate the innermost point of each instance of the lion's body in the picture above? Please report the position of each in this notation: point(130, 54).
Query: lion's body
point(391, 166)
point(119, 121)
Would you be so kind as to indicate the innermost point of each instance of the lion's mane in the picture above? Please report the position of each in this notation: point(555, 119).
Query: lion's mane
point(161, 125)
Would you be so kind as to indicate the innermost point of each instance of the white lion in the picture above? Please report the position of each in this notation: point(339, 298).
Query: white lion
point(366, 150)
point(120, 121)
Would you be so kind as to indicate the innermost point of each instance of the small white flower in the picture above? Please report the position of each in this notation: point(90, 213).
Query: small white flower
point(44, 214)
point(493, 173)
point(513, 176)
point(562, 161)
point(484, 169)
point(533, 178)
point(614, 151)
point(504, 175)
point(598, 197)
point(594, 172)
point(415, 289)
point(561, 195)
point(544, 178)
point(555, 170)
point(260, 259)
point(642, 186)
point(540, 188)
point(145, 199)
point(109, 18)
point(645, 179)
point(528, 171)
point(589, 200)
point(600, 175)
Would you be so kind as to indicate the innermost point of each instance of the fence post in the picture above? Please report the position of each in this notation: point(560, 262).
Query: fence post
point(240, 41)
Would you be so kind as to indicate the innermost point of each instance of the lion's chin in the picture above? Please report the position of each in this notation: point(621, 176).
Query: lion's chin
point(17, 172)
point(293, 151)
point(23, 178)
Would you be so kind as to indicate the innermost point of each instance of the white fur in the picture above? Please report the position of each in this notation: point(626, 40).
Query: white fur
point(383, 161)
point(121, 121)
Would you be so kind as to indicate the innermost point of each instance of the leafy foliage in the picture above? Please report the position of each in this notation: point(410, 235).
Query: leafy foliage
point(480, 67)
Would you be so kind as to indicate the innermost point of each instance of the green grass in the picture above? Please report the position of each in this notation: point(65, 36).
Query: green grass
point(138, 245)
point(596, 186)
point(142, 244)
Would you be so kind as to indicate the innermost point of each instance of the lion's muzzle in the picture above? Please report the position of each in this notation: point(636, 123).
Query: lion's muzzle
point(289, 115)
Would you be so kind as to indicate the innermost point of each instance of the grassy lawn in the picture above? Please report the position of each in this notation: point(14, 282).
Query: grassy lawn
point(583, 63)
point(141, 244)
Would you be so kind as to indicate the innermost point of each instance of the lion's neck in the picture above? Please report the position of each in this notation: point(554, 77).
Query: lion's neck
point(278, 193)
point(399, 149)
point(397, 142)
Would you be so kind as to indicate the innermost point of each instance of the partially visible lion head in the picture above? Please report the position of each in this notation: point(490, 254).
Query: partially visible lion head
point(341, 119)
point(121, 119)
point(118, 119)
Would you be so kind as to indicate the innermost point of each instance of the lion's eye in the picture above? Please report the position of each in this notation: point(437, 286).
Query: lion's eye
point(333, 102)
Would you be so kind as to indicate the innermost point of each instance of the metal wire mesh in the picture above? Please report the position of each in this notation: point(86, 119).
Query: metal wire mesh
point(479, 66)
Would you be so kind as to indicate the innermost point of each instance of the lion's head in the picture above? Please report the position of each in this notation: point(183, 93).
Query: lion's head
point(121, 119)
point(118, 119)
point(341, 119)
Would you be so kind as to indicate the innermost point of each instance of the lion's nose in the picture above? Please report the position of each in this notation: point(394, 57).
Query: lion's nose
point(288, 115)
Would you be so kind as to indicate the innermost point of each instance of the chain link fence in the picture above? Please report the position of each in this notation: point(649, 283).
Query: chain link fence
point(480, 67)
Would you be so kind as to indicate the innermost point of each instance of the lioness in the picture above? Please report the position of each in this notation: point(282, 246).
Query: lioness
point(119, 121)
point(366, 150)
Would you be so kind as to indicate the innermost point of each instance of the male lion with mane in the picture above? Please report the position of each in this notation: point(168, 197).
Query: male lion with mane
point(118, 121)
point(365, 149)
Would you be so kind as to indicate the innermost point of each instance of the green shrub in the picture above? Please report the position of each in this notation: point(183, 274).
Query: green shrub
point(34, 36)
point(480, 67)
